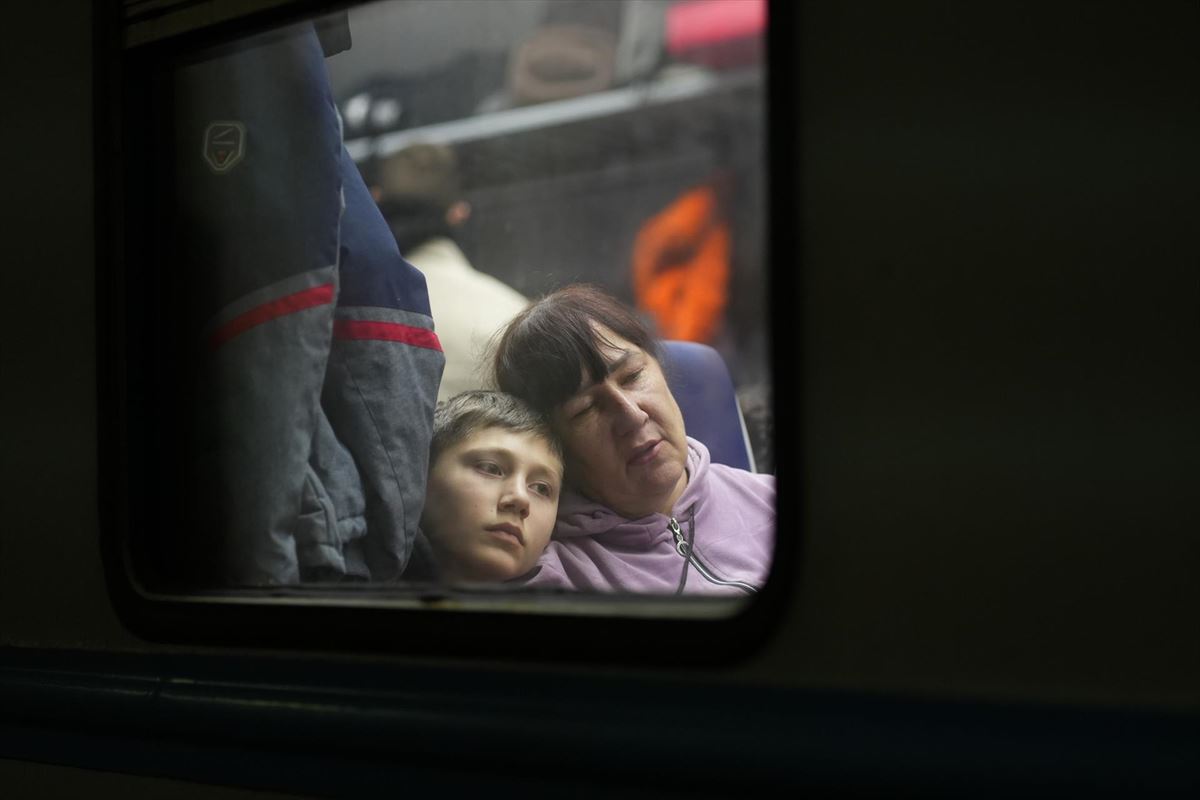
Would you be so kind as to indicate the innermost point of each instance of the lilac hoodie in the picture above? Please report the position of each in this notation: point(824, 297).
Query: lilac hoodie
point(725, 517)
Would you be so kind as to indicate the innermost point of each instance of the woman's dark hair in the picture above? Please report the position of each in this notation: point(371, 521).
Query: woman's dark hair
point(547, 347)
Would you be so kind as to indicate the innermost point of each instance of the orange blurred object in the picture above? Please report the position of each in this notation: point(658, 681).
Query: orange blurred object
point(681, 267)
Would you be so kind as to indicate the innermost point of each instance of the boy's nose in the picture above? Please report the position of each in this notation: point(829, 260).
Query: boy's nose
point(515, 499)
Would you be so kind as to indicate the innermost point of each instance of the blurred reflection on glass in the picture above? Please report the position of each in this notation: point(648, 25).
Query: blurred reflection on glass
point(503, 149)
point(614, 143)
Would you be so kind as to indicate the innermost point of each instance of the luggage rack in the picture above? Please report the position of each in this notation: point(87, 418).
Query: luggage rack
point(677, 87)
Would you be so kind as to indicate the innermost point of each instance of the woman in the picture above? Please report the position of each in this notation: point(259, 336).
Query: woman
point(646, 511)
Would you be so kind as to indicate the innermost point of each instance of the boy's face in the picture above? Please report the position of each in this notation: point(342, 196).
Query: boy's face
point(490, 504)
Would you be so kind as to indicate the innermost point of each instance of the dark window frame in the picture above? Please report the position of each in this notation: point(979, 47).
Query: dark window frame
point(127, 516)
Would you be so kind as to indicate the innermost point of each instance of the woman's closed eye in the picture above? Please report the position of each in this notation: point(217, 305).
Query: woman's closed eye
point(632, 377)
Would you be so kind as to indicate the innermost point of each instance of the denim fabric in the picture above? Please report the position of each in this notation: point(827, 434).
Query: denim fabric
point(313, 451)
point(380, 394)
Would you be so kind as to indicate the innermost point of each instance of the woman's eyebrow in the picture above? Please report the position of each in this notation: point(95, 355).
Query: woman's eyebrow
point(620, 361)
point(610, 367)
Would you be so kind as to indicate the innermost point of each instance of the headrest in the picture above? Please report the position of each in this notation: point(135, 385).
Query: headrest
point(703, 388)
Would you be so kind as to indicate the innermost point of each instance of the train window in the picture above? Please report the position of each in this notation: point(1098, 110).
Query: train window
point(448, 306)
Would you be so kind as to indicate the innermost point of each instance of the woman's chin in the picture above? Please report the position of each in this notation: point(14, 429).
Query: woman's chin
point(659, 477)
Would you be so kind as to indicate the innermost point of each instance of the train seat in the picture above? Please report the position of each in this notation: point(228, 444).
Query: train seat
point(702, 386)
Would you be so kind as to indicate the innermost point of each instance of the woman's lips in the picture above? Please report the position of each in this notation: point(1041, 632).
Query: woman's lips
point(645, 454)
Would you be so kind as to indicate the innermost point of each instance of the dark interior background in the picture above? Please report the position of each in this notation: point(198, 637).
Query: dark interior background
point(1000, 294)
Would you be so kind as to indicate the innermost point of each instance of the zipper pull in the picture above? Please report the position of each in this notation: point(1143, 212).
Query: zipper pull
point(681, 545)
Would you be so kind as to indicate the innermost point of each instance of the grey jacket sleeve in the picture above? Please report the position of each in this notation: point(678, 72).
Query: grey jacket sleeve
point(257, 177)
point(318, 379)
point(382, 378)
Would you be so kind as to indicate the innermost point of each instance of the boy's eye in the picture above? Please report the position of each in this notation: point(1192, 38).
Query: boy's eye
point(489, 468)
point(544, 489)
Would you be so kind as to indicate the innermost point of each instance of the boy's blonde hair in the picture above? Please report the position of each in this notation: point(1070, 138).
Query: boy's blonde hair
point(468, 412)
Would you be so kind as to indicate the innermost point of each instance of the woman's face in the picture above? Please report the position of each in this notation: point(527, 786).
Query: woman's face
point(624, 435)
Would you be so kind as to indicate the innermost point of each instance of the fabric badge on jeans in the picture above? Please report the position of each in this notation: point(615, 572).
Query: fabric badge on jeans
point(224, 145)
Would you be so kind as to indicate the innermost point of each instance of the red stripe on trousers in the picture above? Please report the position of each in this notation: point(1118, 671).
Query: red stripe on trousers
point(387, 332)
point(289, 304)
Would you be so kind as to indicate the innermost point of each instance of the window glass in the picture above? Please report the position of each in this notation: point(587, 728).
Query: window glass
point(464, 298)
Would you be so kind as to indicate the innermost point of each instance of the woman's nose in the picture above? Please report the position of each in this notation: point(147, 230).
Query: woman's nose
point(629, 415)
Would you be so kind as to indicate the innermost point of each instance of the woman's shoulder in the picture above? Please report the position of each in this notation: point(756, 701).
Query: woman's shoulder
point(748, 492)
point(732, 476)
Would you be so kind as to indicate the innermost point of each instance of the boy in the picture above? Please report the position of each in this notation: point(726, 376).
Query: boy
point(495, 473)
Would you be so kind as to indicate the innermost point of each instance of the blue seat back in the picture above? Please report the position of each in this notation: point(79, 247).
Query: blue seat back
point(704, 391)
